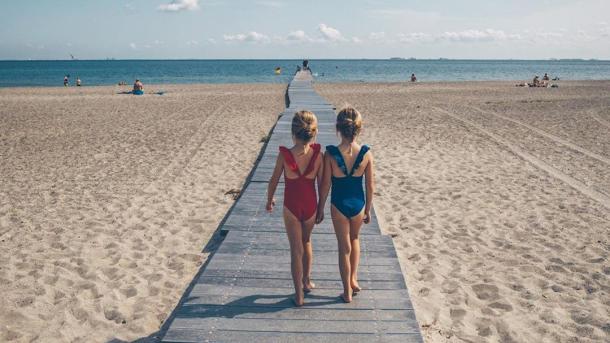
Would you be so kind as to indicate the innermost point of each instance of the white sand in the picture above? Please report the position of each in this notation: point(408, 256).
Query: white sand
point(495, 196)
point(106, 201)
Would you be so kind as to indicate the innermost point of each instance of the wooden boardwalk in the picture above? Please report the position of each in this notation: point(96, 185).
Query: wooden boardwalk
point(244, 293)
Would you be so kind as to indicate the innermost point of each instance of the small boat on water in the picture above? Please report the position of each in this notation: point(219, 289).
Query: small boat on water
point(278, 71)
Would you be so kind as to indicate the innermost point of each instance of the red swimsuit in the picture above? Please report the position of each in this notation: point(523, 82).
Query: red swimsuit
point(300, 193)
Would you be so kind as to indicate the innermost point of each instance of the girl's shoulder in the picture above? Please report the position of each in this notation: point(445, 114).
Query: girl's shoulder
point(317, 148)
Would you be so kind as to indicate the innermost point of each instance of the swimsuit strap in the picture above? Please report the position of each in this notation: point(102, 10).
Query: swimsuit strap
point(336, 154)
point(292, 163)
point(312, 162)
point(359, 158)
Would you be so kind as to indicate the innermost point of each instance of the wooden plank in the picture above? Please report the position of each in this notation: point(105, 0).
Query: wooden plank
point(305, 312)
point(194, 335)
point(327, 325)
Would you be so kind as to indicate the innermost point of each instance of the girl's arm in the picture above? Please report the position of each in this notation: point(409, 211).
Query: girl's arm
point(369, 176)
point(324, 187)
point(275, 179)
point(320, 173)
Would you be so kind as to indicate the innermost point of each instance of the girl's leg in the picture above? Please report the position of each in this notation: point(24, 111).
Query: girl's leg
point(293, 230)
point(342, 230)
point(354, 232)
point(307, 253)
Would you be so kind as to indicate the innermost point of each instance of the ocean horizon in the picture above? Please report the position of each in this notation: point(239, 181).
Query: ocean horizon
point(24, 73)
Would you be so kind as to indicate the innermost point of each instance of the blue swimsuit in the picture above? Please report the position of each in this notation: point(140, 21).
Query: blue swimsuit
point(347, 194)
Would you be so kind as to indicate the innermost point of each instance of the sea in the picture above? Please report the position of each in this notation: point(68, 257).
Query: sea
point(110, 72)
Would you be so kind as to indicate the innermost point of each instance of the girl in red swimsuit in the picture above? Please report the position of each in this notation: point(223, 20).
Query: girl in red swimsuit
point(301, 165)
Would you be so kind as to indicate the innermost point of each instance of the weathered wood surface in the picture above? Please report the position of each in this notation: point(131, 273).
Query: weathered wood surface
point(244, 293)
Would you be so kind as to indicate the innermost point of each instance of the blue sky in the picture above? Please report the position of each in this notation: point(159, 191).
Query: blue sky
point(528, 29)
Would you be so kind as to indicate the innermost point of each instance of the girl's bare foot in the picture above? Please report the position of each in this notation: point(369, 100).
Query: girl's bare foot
point(298, 300)
point(308, 286)
point(355, 287)
point(346, 297)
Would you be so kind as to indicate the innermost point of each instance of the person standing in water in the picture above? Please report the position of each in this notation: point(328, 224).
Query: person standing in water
point(66, 81)
point(345, 167)
point(78, 82)
point(413, 78)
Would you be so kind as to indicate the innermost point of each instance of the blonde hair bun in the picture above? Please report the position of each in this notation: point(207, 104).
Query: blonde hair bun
point(304, 126)
point(349, 123)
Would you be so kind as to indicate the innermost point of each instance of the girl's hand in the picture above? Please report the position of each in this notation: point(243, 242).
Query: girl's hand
point(319, 216)
point(367, 216)
point(270, 205)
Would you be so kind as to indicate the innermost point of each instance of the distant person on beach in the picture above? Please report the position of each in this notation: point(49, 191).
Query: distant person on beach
point(545, 77)
point(138, 88)
point(535, 81)
point(66, 81)
point(413, 78)
point(345, 167)
point(78, 82)
point(301, 166)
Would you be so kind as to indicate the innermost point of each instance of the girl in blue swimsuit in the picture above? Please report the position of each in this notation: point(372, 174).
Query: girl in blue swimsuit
point(345, 167)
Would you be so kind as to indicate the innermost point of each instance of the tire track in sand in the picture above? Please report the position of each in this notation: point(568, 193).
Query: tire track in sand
point(599, 119)
point(548, 135)
point(193, 145)
point(572, 182)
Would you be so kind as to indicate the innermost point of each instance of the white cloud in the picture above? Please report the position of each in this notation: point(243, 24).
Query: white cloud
point(32, 46)
point(356, 40)
point(211, 40)
point(330, 33)
point(466, 36)
point(129, 7)
point(133, 46)
point(251, 36)
point(376, 35)
point(548, 34)
point(486, 35)
point(414, 37)
point(180, 5)
point(269, 3)
point(299, 36)
point(192, 42)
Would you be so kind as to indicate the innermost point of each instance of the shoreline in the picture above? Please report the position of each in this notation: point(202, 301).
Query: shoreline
point(406, 82)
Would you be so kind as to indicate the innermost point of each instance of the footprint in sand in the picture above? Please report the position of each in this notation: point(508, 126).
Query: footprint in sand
point(486, 292)
point(457, 315)
point(114, 315)
point(129, 292)
point(501, 306)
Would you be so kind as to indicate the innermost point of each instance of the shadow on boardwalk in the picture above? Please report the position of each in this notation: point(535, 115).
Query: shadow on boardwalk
point(251, 305)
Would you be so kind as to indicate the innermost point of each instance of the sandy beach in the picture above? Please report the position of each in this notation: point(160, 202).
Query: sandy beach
point(498, 201)
point(106, 201)
point(497, 198)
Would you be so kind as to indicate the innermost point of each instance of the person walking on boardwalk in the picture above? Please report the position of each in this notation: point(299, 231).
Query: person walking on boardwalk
point(301, 166)
point(345, 166)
